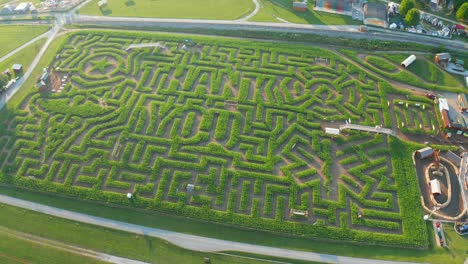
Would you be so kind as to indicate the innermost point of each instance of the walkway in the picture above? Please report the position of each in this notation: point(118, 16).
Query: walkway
point(143, 45)
point(191, 242)
point(463, 178)
point(375, 129)
point(253, 13)
point(5, 97)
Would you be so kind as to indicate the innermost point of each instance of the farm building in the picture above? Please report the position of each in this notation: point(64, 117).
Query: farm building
point(7, 9)
point(463, 102)
point(300, 6)
point(425, 152)
point(17, 68)
point(43, 81)
point(23, 7)
point(442, 58)
point(342, 7)
point(445, 119)
point(435, 187)
point(375, 14)
point(408, 61)
point(452, 157)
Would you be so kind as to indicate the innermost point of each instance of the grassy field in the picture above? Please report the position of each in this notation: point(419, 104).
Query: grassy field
point(202, 9)
point(456, 253)
point(24, 56)
point(255, 172)
point(271, 9)
point(109, 241)
point(14, 250)
point(370, 115)
point(12, 37)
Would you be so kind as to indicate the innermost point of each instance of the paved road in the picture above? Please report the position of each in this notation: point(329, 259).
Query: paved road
point(191, 242)
point(5, 97)
point(347, 31)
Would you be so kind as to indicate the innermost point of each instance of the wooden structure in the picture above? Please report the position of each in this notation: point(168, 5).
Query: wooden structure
point(300, 6)
point(442, 58)
point(295, 212)
point(435, 187)
point(425, 152)
point(17, 68)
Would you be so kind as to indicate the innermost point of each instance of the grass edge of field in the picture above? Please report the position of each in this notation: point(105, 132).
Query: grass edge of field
point(111, 241)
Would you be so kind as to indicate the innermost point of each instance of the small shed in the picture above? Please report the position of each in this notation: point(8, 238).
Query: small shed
point(332, 131)
point(442, 57)
point(435, 187)
point(300, 6)
point(425, 152)
point(17, 68)
point(408, 61)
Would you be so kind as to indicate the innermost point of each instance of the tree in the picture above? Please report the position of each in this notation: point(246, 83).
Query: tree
point(457, 4)
point(3, 80)
point(412, 17)
point(462, 13)
point(405, 6)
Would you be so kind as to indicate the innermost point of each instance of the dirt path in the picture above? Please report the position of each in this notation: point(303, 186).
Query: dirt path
point(68, 248)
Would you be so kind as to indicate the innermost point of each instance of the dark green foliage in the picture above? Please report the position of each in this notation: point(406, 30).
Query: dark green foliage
point(229, 132)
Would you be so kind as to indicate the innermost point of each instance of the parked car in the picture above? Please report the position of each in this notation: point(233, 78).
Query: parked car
point(430, 96)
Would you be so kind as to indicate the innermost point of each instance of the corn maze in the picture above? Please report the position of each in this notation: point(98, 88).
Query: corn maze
point(225, 131)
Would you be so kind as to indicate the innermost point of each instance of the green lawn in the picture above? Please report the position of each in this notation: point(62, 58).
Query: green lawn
point(12, 37)
point(455, 254)
point(24, 56)
point(14, 250)
point(203, 9)
point(100, 239)
point(283, 9)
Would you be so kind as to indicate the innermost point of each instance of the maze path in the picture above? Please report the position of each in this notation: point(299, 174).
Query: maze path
point(240, 124)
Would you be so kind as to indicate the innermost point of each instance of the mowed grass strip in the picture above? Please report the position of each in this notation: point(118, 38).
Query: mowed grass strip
point(16, 250)
point(24, 56)
point(11, 37)
point(114, 242)
point(201, 9)
point(456, 254)
point(271, 10)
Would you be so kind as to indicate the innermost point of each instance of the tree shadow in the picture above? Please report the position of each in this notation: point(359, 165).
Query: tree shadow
point(106, 11)
point(129, 3)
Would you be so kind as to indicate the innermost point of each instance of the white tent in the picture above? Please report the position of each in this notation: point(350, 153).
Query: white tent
point(435, 187)
point(408, 61)
point(333, 131)
point(443, 105)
